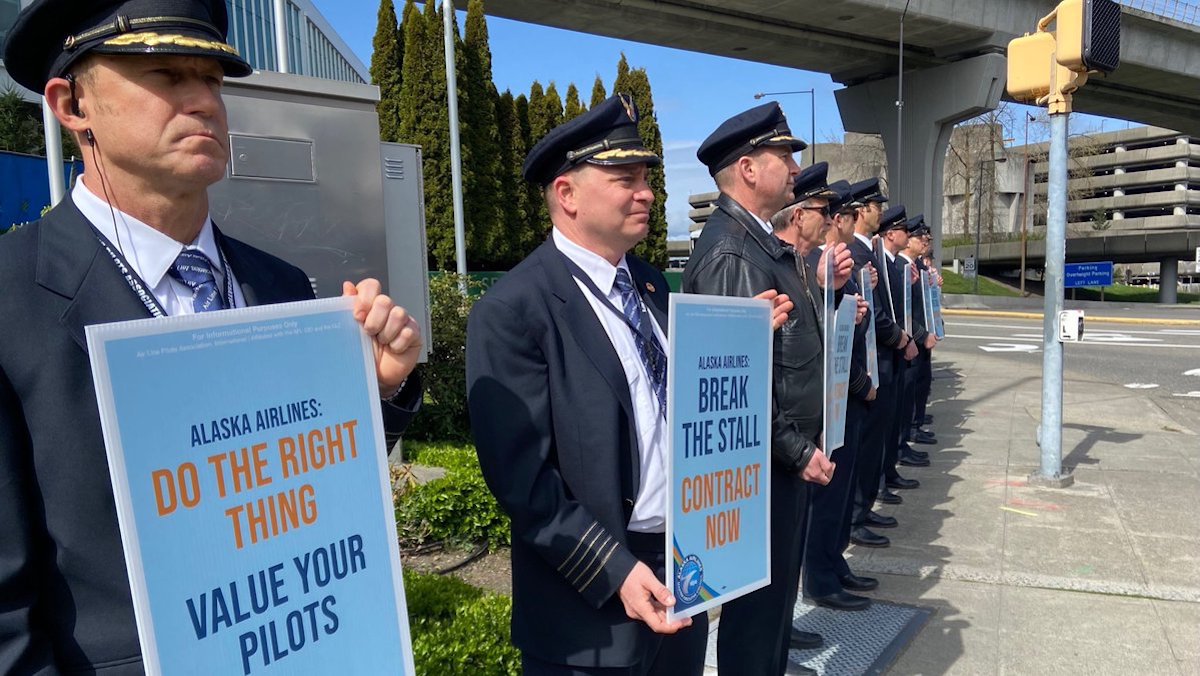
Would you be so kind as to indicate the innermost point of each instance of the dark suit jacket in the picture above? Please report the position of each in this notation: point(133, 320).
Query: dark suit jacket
point(65, 604)
point(555, 432)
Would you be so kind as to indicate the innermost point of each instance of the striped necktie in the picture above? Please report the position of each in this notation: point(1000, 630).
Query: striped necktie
point(654, 358)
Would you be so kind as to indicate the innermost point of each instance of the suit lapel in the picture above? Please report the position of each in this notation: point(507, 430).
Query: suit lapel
point(72, 264)
point(257, 283)
point(648, 288)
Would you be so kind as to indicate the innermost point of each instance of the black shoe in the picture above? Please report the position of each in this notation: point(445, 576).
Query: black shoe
point(858, 582)
point(914, 453)
point(902, 483)
point(880, 521)
point(889, 498)
point(805, 640)
point(800, 670)
point(913, 460)
point(923, 437)
point(863, 537)
point(843, 601)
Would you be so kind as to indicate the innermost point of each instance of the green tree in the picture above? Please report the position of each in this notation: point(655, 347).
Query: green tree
point(483, 201)
point(21, 128)
point(543, 116)
point(423, 121)
point(598, 93)
point(514, 194)
point(534, 206)
point(636, 83)
point(573, 108)
point(387, 62)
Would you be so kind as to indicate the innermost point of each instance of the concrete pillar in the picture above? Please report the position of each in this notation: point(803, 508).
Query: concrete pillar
point(1118, 170)
point(1118, 192)
point(1181, 164)
point(1168, 280)
point(1118, 215)
point(935, 100)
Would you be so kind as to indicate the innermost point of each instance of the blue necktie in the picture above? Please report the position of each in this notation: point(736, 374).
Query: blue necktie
point(193, 269)
point(654, 358)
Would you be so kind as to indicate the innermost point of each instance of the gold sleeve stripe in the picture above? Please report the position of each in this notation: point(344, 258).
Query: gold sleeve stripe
point(583, 555)
point(595, 555)
point(577, 544)
point(159, 40)
point(600, 566)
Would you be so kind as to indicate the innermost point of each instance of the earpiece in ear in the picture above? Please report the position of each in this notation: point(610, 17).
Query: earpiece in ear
point(91, 138)
point(70, 78)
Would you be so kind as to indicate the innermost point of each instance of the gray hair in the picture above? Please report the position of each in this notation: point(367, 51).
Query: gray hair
point(782, 217)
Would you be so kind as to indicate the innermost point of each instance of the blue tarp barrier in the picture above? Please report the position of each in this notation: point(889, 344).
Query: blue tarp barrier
point(24, 187)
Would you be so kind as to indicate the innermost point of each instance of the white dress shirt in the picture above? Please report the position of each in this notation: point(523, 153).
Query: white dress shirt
point(650, 509)
point(151, 253)
point(865, 240)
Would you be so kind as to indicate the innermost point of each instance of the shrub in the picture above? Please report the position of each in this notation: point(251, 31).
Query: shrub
point(456, 508)
point(458, 629)
point(443, 415)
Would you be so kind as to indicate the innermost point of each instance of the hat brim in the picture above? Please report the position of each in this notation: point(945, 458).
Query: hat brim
point(785, 140)
point(619, 156)
point(176, 44)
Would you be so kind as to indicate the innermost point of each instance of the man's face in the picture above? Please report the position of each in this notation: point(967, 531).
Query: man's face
point(898, 237)
point(871, 213)
point(613, 204)
point(776, 174)
point(814, 220)
point(158, 118)
point(844, 224)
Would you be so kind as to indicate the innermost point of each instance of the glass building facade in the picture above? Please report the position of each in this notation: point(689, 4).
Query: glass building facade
point(313, 48)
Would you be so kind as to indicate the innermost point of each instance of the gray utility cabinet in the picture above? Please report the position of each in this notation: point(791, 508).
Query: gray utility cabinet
point(310, 182)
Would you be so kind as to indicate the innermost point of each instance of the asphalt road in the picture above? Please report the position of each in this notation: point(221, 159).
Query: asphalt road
point(1161, 361)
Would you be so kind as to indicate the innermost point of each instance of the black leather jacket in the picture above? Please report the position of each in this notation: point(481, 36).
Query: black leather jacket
point(735, 256)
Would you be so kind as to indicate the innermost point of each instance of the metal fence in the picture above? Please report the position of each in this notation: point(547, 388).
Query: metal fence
point(1184, 11)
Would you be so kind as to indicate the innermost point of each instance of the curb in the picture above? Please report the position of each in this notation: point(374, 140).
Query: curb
point(1089, 318)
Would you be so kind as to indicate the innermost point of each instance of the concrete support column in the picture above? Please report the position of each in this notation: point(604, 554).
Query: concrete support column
point(1118, 215)
point(1117, 192)
point(1168, 280)
point(935, 100)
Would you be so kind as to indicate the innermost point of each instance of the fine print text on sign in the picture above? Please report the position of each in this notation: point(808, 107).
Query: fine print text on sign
point(838, 325)
point(248, 463)
point(719, 457)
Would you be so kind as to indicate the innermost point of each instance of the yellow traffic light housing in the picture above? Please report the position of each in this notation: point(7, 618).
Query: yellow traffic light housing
point(1030, 66)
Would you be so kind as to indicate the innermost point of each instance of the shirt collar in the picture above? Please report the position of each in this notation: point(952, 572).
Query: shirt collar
point(863, 238)
point(906, 257)
point(765, 226)
point(150, 252)
point(602, 273)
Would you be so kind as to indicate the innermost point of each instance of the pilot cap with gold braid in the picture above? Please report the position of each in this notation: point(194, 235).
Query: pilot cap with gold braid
point(760, 127)
point(49, 36)
point(606, 135)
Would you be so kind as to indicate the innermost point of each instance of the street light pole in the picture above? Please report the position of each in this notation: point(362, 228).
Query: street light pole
point(812, 115)
point(894, 177)
point(979, 213)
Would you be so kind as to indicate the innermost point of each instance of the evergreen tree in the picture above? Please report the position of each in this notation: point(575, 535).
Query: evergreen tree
point(537, 219)
point(598, 93)
point(482, 196)
point(636, 83)
point(387, 61)
point(423, 121)
point(573, 107)
point(514, 195)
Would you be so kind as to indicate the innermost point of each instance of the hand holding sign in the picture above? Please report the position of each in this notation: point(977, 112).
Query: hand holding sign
point(395, 335)
point(819, 469)
point(781, 305)
point(843, 266)
point(646, 599)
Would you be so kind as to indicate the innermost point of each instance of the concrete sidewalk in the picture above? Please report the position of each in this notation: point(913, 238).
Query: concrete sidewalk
point(1099, 578)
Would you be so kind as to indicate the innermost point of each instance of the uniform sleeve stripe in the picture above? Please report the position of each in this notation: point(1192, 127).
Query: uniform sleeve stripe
point(600, 566)
point(574, 551)
point(596, 551)
point(583, 555)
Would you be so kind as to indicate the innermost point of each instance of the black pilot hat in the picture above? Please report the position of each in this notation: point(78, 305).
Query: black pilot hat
point(916, 226)
point(841, 202)
point(760, 127)
point(606, 135)
point(812, 182)
point(865, 192)
point(49, 36)
point(893, 219)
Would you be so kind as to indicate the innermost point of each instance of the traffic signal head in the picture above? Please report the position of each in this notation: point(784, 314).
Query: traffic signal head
point(1089, 35)
point(1030, 66)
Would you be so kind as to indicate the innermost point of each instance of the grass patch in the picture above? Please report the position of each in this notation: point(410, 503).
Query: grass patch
point(458, 629)
point(1120, 293)
point(457, 508)
point(956, 283)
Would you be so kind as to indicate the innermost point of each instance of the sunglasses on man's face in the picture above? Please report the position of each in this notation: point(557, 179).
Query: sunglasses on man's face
point(824, 211)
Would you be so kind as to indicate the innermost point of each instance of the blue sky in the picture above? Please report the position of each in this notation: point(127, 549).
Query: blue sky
point(693, 93)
